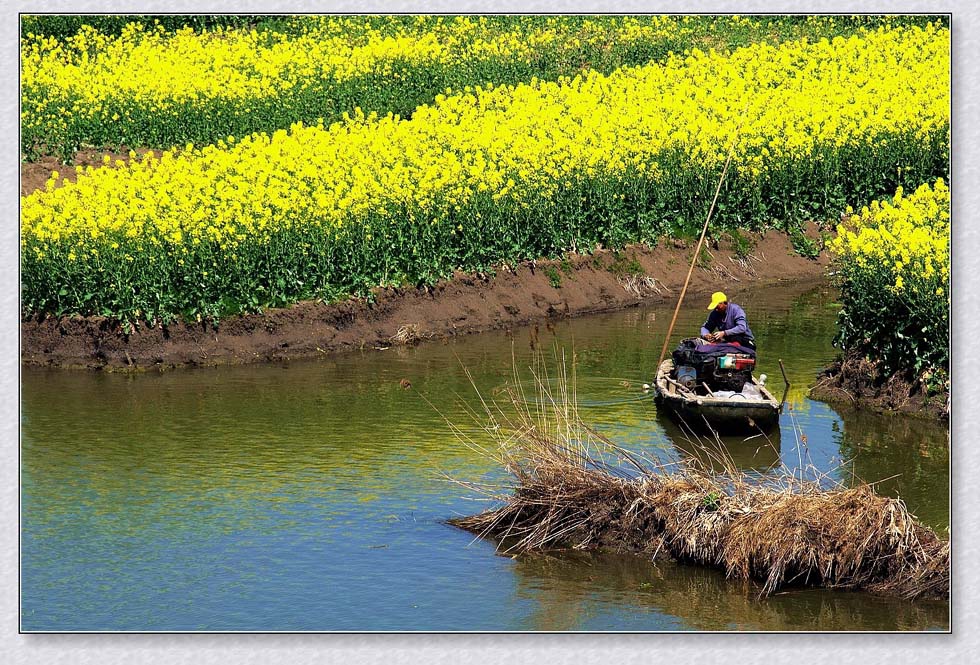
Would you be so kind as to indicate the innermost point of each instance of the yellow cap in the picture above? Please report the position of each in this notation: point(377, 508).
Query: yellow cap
point(716, 299)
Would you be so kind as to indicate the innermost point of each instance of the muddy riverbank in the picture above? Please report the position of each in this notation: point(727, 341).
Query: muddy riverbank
point(529, 292)
point(856, 381)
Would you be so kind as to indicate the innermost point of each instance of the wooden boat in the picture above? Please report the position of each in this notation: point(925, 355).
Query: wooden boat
point(722, 413)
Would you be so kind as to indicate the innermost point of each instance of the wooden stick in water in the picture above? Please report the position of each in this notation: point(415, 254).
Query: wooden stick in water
point(785, 390)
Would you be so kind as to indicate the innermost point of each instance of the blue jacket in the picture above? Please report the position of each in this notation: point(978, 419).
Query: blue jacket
point(732, 322)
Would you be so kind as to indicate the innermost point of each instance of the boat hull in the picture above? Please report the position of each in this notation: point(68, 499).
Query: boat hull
point(723, 415)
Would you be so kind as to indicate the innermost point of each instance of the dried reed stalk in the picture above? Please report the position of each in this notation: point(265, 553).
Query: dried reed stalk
point(575, 488)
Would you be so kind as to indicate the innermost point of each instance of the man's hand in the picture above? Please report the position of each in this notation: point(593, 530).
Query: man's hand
point(716, 336)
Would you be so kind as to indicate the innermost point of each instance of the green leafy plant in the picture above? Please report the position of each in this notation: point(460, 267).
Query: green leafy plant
point(803, 245)
point(712, 500)
point(554, 277)
point(704, 258)
point(217, 230)
point(892, 266)
point(742, 244)
point(624, 266)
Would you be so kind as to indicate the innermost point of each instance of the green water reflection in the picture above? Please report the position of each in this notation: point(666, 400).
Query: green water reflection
point(584, 591)
point(309, 495)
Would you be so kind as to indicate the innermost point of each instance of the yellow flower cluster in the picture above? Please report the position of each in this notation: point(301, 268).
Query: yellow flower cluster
point(425, 195)
point(158, 70)
point(893, 267)
point(520, 142)
point(907, 237)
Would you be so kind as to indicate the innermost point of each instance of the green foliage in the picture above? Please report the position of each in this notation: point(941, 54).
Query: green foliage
point(399, 91)
point(554, 277)
point(66, 25)
point(893, 271)
point(741, 244)
point(302, 263)
point(624, 266)
point(712, 501)
point(803, 245)
point(903, 332)
point(407, 247)
point(704, 258)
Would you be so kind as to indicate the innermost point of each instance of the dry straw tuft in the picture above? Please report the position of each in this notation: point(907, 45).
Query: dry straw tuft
point(410, 334)
point(576, 489)
point(640, 285)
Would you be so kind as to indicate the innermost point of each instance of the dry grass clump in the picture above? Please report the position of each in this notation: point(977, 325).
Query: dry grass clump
point(640, 285)
point(574, 488)
point(409, 334)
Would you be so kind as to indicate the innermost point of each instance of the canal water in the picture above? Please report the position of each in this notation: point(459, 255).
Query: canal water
point(311, 495)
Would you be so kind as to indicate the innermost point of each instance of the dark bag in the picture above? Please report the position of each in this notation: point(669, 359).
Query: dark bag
point(704, 359)
point(686, 353)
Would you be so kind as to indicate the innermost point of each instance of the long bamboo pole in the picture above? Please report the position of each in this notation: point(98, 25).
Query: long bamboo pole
point(697, 251)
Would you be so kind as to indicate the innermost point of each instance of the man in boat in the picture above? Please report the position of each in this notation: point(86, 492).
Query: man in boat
point(726, 323)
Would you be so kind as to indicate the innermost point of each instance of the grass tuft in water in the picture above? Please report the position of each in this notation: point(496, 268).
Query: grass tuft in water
point(574, 488)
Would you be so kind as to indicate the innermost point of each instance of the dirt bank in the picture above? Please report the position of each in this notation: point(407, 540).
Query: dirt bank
point(466, 304)
point(857, 381)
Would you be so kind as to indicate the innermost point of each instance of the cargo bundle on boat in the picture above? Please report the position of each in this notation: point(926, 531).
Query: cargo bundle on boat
point(712, 384)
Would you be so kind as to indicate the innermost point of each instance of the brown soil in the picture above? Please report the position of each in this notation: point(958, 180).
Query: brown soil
point(466, 304)
point(34, 175)
point(857, 381)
